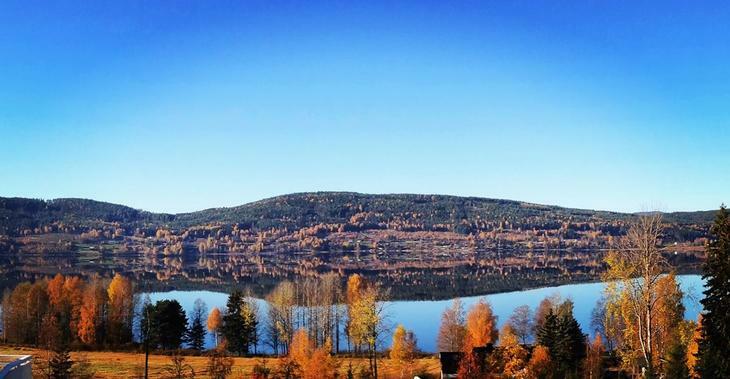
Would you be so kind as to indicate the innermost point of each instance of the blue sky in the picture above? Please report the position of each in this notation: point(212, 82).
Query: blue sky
point(184, 105)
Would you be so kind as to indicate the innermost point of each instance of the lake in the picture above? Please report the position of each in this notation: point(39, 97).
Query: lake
point(424, 317)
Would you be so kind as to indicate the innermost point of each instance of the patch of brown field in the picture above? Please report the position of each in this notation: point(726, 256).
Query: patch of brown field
point(130, 365)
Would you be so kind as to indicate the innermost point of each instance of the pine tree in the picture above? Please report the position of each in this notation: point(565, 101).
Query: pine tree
point(171, 324)
point(196, 334)
point(570, 346)
point(240, 324)
point(715, 342)
point(562, 336)
point(547, 331)
point(196, 331)
point(233, 324)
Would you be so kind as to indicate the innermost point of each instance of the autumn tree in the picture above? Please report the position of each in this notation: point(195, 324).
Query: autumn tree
point(648, 301)
point(540, 365)
point(366, 313)
point(514, 356)
point(715, 342)
point(355, 286)
point(214, 323)
point(481, 325)
point(453, 328)
point(693, 348)
point(593, 367)
point(547, 305)
point(280, 323)
point(403, 348)
point(307, 361)
point(121, 310)
point(521, 321)
point(38, 316)
point(91, 327)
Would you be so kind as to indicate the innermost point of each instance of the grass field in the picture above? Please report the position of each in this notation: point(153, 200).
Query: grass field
point(130, 365)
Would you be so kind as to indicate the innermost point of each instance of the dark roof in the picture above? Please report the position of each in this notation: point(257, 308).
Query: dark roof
point(450, 361)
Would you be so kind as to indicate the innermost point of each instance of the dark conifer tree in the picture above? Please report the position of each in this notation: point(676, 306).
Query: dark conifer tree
point(547, 331)
point(239, 324)
point(714, 346)
point(570, 347)
point(171, 324)
point(196, 330)
point(565, 341)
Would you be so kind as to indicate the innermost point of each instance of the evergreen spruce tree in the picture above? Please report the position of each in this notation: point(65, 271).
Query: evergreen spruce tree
point(714, 346)
point(196, 334)
point(240, 324)
point(170, 323)
point(196, 331)
point(547, 331)
point(565, 341)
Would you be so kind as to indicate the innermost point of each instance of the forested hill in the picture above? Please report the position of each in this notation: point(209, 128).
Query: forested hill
point(406, 212)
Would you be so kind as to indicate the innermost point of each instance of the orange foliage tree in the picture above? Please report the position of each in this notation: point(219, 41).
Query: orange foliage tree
point(214, 323)
point(481, 325)
point(403, 349)
point(121, 310)
point(693, 348)
point(92, 312)
point(310, 362)
point(540, 365)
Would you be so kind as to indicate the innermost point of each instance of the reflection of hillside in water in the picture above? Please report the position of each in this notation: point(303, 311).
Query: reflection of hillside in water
point(409, 274)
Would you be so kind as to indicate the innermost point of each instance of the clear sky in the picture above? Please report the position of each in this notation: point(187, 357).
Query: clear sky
point(184, 105)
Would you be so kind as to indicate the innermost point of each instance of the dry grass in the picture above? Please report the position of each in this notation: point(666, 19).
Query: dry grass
point(130, 365)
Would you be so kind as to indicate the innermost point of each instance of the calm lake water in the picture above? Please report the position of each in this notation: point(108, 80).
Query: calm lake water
point(424, 317)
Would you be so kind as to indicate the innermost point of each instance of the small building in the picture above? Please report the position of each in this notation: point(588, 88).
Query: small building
point(449, 363)
point(16, 367)
point(450, 360)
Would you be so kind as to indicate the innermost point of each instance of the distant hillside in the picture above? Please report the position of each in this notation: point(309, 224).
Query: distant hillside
point(300, 210)
point(412, 242)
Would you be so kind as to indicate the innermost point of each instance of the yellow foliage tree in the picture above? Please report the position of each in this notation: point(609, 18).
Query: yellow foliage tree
point(121, 309)
point(481, 325)
point(647, 301)
point(403, 349)
point(513, 354)
point(693, 348)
